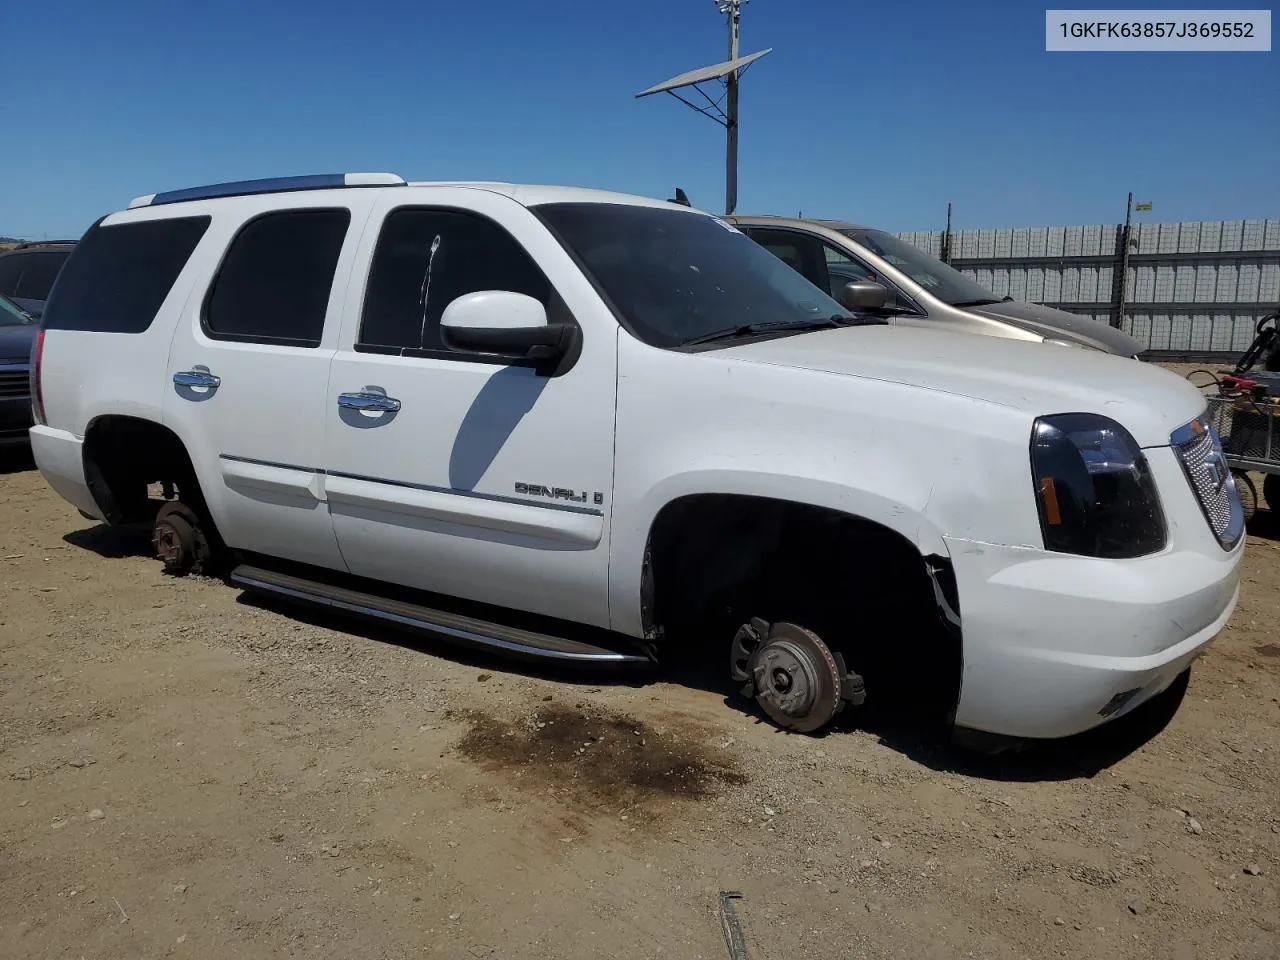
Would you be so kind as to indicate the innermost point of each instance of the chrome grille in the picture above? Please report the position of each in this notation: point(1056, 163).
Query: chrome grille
point(1199, 450)
point(15, 383)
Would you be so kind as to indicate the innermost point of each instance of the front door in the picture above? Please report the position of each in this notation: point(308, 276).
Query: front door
point(249, 370)
point(459, 473)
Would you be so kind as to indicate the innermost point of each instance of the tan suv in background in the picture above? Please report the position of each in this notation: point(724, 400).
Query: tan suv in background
point(865, 268)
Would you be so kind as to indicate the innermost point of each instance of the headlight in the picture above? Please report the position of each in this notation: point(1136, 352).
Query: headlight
point(1094, 488)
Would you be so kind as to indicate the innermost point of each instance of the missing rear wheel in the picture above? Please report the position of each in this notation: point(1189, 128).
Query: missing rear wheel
point(180, 540)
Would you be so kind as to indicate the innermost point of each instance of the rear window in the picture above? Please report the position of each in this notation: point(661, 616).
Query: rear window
point(10, 273)
point(118, 276)
point(31, 275)
point(39, 272)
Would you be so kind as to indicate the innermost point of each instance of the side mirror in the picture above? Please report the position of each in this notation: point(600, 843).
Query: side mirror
point(864, 295)
point(503, 323)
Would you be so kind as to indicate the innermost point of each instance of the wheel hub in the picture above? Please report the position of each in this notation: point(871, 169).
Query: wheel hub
point(168, 544)
point(792, 674)
point(788, 677)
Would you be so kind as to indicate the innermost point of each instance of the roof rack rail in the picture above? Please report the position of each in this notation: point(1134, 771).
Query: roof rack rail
point(240, 188)
point(38, 243)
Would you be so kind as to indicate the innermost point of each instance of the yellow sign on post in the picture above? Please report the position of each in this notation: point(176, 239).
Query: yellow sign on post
point(1142, 207)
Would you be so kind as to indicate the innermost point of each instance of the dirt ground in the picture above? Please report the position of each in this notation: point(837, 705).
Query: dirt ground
point(184, 772)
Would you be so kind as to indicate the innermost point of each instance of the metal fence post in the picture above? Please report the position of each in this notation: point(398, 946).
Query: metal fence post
point(1122, 286)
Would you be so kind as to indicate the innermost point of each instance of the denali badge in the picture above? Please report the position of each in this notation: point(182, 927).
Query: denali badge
point(558, 493)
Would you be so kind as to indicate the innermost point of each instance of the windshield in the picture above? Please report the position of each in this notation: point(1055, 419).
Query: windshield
point(11, 315)
point(945, 282)
point(673, 276)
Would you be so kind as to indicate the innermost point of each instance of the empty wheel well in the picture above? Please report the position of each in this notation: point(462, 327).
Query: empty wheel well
point(714, 561)
point(123, 456)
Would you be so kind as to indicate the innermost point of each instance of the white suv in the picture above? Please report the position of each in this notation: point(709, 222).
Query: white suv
point(591, 427)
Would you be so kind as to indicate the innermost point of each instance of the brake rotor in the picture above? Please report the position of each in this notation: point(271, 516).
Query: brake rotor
point(174, 541)
point(798, 681)
point(179, 540)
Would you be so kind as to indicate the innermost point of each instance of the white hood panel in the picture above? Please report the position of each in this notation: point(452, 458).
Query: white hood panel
point(1039, 379)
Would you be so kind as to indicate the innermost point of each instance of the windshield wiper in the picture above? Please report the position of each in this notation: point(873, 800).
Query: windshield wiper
point(750, 329)
point(979, 302)
point(860, 321)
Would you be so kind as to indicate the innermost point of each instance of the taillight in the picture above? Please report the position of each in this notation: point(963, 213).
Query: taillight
point(37, 395)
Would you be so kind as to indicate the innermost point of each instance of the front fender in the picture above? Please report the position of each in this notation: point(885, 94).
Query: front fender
point(631, 529)
point(924, 464)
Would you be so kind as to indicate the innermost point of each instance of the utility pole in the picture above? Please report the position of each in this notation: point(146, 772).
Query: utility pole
point(730, 73)
point(733, 12)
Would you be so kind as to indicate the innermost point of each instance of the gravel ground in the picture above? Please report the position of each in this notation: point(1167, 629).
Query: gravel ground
point(184, 772)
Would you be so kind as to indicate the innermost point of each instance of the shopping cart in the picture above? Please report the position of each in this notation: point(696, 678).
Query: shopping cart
point(1249, 424)
point(1244, 408)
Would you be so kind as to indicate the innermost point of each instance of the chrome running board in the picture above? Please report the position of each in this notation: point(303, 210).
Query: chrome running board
point(468, 631)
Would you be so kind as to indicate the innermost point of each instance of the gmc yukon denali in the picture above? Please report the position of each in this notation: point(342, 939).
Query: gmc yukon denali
point(594, 428)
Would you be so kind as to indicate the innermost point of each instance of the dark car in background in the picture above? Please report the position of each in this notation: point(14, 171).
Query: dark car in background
point(28, 270)
point(17, 336)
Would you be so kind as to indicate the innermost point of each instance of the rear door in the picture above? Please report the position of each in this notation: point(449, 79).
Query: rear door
point(477, 477)
point(249, 369)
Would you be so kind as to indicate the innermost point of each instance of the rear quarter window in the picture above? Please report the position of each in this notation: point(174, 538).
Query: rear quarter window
point(118, 276)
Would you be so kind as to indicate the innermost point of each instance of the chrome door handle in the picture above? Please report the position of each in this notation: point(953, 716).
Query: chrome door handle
point(368, 401)
point(196, 378)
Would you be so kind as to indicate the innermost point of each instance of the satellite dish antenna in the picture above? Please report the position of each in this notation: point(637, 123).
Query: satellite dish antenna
point(727, 72)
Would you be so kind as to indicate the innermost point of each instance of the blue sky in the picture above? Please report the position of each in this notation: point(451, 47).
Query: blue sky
point(871, 111)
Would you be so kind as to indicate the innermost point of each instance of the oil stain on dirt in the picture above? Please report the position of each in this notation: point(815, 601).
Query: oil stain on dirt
point(596, 759)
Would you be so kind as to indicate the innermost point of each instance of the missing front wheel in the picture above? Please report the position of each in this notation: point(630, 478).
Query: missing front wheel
point(792, 674)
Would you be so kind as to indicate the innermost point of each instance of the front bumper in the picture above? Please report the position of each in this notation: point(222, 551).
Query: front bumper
point(1057, 644)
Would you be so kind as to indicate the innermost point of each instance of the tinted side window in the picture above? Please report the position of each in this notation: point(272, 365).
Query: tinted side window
point(273, 285)
point(39, 270)
point(424, 260)
point(118, 276)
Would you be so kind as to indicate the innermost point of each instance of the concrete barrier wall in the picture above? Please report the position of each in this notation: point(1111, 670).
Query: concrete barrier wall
point(1194, 288)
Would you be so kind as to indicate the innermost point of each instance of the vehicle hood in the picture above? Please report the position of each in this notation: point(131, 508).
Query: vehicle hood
point(16, 342)
point(1036, 378)
point(1051, 322)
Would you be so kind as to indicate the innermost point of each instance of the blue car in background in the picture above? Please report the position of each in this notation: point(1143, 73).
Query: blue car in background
point(17, 337)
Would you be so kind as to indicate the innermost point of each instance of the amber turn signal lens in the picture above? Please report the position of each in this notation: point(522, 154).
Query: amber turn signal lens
point(1049, 493)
